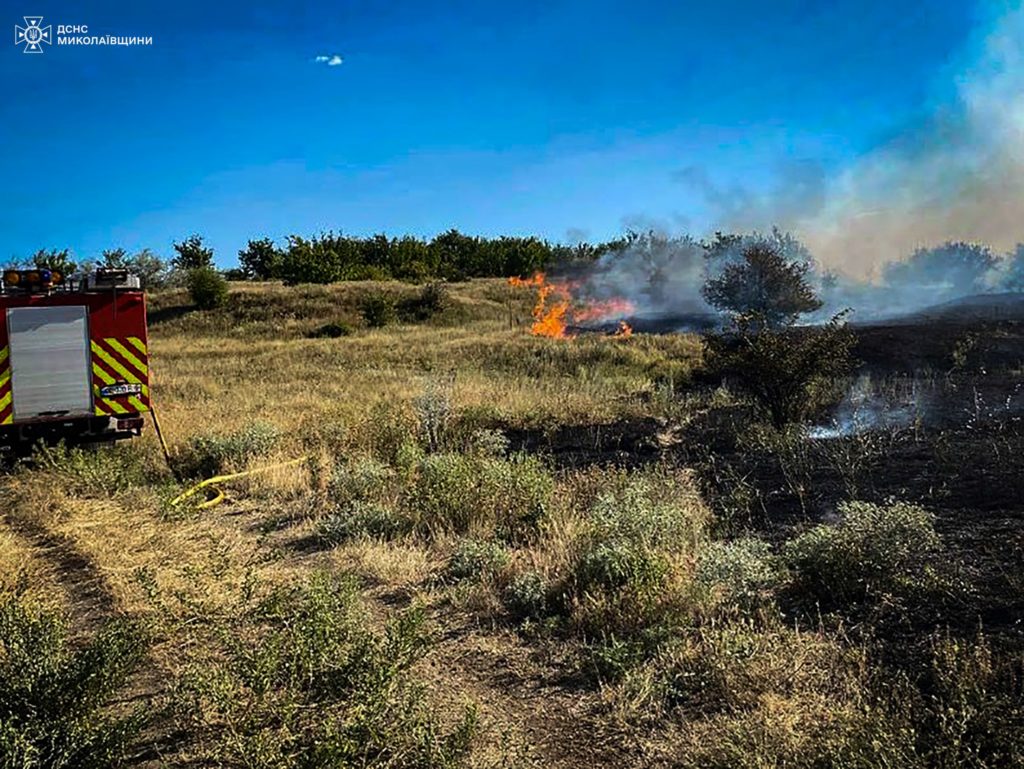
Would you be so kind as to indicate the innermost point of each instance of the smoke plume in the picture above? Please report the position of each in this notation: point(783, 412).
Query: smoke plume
point(960, 177)
point(929, 217)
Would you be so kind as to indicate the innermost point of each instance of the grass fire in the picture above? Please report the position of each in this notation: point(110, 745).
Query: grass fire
point(556, 311)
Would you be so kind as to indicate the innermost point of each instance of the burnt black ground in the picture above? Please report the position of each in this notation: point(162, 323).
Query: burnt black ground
point(961, 456)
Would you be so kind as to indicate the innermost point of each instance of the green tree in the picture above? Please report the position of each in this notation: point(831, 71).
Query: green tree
point(516, 256)
point(309, 261)
point(147, 266)
point(53, 259)
point(192, 254)
point(115, 259)
point(458, 256)
point(260, 260)
point(411, 259)
point(763, 285)
point(151, 269)
point(375, 252)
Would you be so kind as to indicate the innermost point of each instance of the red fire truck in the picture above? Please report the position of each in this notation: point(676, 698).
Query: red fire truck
point(74, 361)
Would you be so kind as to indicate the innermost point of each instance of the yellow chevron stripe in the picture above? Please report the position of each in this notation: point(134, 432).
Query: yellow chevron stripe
point(138, 344)
point(114, 406)
point(109, 360)
point(4, 401)
point(103, 355)
point(5, 377)
point(8, 420)
point(3, 354)
point(98, 371)
point(123, 351)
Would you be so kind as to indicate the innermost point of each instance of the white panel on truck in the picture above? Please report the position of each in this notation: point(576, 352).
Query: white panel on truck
point(50, 361)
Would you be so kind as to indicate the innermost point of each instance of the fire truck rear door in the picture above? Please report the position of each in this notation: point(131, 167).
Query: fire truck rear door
point(49, 348)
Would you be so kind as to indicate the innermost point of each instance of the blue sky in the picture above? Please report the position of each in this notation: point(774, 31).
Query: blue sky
point(563, 118)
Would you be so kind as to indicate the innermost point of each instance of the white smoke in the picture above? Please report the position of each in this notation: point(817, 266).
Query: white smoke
point(867, 408)
point(951, 190)
point(959, 178)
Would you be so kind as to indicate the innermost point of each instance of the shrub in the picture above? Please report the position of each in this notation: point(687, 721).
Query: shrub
point(615, 563)
point(207, 288)
point(803, 733)
point(874, 551)
point(627, 581)
point(733, 666)
point(466, 494)
point(331, 331)
point(361, 519)
point(387, 430)
point(432, 300)
point(434, 410)
point(477, 559)
point(489, 443)
point(527, 595)
point(206, 455)
point(967, 710)
point(378, 310)
point(306, 680)
point(971, 713)
point(788, 372)
point(54, 696)
point(631, 536)
point(362, 479)
point(743, 573)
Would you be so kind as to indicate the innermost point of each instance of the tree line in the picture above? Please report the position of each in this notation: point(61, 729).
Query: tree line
point(452, 255)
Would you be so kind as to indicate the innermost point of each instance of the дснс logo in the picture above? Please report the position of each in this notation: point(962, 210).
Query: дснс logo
point(33, 35)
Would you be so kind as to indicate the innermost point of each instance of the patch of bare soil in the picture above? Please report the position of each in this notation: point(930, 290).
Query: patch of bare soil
point(539, 714)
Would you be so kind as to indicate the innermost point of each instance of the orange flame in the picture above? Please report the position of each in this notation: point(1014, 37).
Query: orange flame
point(555, 307)
point(603, 308)
point(536, 280)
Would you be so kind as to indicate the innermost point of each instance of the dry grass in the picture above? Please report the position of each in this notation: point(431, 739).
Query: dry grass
point(590, 640)
point(226, 379)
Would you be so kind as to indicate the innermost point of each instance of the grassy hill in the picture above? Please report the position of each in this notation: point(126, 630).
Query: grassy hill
point(503, 550)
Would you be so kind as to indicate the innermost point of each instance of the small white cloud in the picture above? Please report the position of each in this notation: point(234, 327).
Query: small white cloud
point(331, 61)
